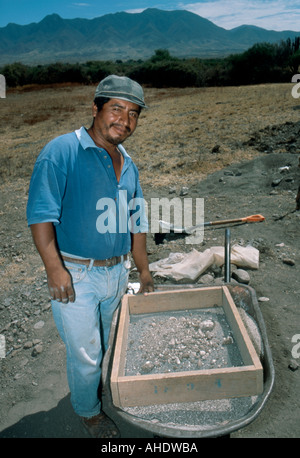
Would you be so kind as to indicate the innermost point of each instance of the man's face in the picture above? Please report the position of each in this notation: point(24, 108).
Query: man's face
point(116, 121)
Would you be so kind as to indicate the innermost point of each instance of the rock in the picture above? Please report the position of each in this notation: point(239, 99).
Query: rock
point(227, 340)
point(28, 344)
point(147, 367)
point(207, 325)
point(288, 261)
point(36, 341)
point(46, 307)
point(24, 362)
point(284, 169)
point(199, 363)
point(39, 324)
point(263, 299)
point(37, 350)
point(216, 149)
point(241, 276)
point(177, 360)
point(184, 191)
point(17, 376)
point(276, 182)
point(293, 366)
point(205, 279)
point(216, 270)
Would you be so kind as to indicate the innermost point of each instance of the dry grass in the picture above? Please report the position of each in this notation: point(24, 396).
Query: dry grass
point(176, 136)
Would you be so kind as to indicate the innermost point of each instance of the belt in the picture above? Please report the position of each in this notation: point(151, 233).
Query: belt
point(98, 262)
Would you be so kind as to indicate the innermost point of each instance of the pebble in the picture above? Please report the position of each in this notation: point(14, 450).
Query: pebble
point(216, 149)
point(263, 299)
point(37, 350)
point(228, 340)
point(241, 276)
point(276, 182)
point(207, 325)
point(288, 261)
point(184, 191)
point(293, 366)
point(147, 367)
point(205, 279)
point(7, 302)
point(17, 376)
point(39, 324)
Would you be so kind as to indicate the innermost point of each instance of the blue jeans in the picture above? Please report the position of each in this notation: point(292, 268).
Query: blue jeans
point(84, 327)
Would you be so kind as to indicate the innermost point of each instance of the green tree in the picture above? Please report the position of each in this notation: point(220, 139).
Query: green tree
point(15, 74)
point(161, 55)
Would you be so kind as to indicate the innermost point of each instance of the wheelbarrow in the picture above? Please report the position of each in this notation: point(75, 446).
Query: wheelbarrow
point(209, 425)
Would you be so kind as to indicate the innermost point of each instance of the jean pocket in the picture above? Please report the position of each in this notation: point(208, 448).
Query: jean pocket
point(78, 273)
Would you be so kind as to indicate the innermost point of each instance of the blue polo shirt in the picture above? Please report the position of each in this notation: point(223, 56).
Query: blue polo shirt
point(74, 186)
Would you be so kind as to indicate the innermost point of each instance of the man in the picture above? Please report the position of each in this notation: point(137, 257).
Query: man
point(75, 207)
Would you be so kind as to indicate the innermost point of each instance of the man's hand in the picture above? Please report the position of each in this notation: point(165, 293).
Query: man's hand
point(147, 285)
point(139, 253)
point(60, 286)
point(59, 279)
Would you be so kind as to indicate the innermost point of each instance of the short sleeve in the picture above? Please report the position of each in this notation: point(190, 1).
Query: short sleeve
point(46, 190)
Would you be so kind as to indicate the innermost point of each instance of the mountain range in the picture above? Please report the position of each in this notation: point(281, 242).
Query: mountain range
point(127, 36)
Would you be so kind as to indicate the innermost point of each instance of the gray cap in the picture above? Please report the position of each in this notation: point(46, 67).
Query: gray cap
point(121, 87)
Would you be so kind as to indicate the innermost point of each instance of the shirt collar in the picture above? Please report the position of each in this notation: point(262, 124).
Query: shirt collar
point(86, 141)
point(84, 138)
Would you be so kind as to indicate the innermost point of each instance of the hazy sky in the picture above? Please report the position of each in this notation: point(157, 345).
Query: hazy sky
point(269, 14)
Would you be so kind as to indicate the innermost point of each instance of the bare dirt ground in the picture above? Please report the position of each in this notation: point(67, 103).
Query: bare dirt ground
point(236, 147)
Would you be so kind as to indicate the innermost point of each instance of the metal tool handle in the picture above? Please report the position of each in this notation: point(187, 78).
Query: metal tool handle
point(227, 256)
